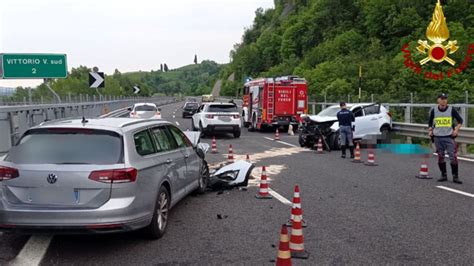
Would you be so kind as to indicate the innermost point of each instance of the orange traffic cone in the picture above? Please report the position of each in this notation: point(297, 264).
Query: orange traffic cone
point(423, 172)
point(284, 254)
point(214, 145)
point(357, 158)
point(277, 135)
point(230, 155)
point(263, 192)
point(371, 159)
point(320, 146)
point(296, 238)
point(296, 204)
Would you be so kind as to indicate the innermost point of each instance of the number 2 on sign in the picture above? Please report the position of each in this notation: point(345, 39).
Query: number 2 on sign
point(33, 70)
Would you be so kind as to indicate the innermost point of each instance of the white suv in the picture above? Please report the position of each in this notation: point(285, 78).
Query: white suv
point(145, 110)
point(217, 117)
point(370, 119)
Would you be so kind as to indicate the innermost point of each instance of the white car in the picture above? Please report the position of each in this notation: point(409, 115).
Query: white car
point(145, 110)
point(212, 117)
point(370, 119)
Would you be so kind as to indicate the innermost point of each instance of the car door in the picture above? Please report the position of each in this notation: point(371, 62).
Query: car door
point(361, 122)
point(192, 160)
point(172, 157)
point(372, 112)
point(197, 116)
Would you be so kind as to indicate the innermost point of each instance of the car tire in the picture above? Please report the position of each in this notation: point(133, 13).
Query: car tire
point(385, 132)
point(335, 141)
point(202, 130)
point(157, 228)
point(203, 178)
point(193, 128)
point(237, 133)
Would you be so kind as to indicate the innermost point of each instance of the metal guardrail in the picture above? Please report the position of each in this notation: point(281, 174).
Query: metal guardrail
point(465, 136)
point(15, 120)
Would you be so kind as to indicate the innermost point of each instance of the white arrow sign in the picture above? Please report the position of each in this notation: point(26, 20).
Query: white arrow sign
point(96, 79)
point(136, 89)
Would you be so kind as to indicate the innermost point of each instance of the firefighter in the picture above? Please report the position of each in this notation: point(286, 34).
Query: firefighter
point(443, 131)
point(345, 118)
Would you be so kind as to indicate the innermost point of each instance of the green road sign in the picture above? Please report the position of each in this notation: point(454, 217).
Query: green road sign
point(33, 66)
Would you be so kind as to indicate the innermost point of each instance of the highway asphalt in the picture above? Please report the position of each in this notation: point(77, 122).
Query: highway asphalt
point(356, 214)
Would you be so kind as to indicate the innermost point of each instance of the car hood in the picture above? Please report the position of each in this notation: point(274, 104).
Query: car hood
point(322, 119)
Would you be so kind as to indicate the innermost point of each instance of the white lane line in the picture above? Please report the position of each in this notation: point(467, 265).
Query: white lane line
point(282, 142)
point(459, 158)
point(456, 191)
point(177, 123)
point(33, 251)
point(279, 197)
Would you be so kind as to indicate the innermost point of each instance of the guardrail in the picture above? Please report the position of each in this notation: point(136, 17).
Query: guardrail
point(15, 120)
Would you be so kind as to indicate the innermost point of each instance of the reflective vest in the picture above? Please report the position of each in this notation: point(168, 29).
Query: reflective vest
point(443, 122)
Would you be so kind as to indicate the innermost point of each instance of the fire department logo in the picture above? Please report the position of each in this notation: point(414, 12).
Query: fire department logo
point(437, 32)
point(437, 49)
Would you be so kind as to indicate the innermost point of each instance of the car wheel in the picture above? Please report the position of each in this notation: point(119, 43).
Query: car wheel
point(335, 141)
point(385, 132)
point(193, 128)
point(203, 178)
point(237, 133)
point(202, 130)
point(156, 229)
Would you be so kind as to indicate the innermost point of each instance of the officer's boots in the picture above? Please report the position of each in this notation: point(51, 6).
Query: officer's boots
point(444, 175)
point(454, 169)
point(343, 150)
point(351, 149)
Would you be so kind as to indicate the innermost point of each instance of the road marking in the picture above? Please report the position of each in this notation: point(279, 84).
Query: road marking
point(279, 197)
point(177, 123)
point(456, 191)
point(33, 251)
point(282, 142)
point(459, 158)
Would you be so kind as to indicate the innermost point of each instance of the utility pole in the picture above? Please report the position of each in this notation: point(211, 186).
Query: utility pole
point(360, 82)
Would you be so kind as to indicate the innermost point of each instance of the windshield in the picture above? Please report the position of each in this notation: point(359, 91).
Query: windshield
point(68, 146)
point(331, 111)
point(222, 108)
point(149, 108)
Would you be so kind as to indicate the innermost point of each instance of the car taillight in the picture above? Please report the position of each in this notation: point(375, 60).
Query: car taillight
point(7, 173)
point(389, 114)
point(210, 116)
point(236, 116)
point(126, 175)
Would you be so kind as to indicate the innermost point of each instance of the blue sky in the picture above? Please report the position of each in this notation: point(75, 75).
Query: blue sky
point(128, 35)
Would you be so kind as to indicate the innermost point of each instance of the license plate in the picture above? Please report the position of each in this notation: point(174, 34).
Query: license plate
point(224, 118)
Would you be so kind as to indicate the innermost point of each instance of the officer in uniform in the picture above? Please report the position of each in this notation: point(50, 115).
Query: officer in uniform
point(345, 118)
point(443, 131)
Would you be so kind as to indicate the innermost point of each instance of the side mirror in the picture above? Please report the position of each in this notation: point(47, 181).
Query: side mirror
point(159, 109)
point(203, 147)
point(129, 109)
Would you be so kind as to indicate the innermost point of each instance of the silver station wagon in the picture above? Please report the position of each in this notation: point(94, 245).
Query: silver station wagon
point(99, 176)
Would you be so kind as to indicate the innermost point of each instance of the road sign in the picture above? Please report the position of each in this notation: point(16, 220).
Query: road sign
point(136, 89)
point(33, 66)
point(96, 80)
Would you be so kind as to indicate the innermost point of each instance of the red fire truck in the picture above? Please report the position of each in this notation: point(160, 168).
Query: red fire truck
point(274, 102)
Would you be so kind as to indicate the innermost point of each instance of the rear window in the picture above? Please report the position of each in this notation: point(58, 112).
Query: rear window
point(191, 106)
point(68, 146)
point(141, 108)
point(214, 108)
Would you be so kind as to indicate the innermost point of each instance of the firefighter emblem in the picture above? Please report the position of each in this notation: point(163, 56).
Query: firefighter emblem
point(437, 32)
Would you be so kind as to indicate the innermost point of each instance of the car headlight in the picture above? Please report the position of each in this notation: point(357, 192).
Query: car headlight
point(229, 175)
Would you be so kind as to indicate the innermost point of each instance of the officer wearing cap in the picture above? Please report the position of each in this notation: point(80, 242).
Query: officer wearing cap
point(443, 131)
point(345, 118)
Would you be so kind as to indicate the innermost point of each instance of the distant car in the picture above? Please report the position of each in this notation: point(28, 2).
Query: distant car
point(191, 99)
point(190, 108)
point(207, 98)
point(370, 120)
point(99, 176)
point(212, 117)
point(145, 110)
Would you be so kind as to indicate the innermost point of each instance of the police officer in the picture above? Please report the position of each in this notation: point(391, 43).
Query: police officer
point(443, 130)
point(345, 118)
